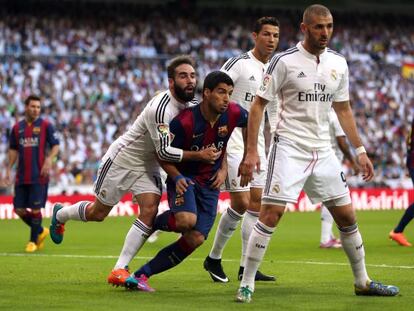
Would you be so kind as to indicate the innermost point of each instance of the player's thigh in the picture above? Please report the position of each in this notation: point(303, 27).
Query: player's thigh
point(232, 182)
point(21, 196)
point(287, 171)
point(113, 182)
point(37, 196)
point(259, 177)
point(185, 202)
point(147, 191)
point(207, 200)
point(327, 181)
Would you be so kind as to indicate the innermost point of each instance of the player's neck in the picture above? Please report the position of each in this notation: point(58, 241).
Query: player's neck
point(312, 50)
point(208, 114)
point(264, 58)
point(30, 120)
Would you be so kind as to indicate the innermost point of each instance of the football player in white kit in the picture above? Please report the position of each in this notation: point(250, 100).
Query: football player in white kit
point(247, 71)
point(341, 149)
point(307, 80)
point(131, 165)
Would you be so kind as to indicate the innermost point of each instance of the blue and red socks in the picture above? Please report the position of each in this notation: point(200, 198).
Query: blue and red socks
point(166, 258)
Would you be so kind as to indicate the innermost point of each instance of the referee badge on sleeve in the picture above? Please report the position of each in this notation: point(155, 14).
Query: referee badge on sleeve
point(163, 129)
point(265, 82)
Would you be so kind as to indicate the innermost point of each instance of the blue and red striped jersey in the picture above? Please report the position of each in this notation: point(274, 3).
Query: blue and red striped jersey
point(31, 142)
point(192, 132)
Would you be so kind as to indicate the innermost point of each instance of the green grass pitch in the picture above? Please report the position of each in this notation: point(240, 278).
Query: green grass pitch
point(72, 276)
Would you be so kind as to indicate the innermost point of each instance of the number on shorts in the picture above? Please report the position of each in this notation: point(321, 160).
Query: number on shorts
point(343, 177)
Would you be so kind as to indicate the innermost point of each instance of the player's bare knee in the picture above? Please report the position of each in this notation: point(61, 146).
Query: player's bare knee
point(255, 199)
point(239, 201)
point(185, 221)
point(270, 214)
point(194, 238)
point(97, 212)
point(147, 213)
point(20, 212)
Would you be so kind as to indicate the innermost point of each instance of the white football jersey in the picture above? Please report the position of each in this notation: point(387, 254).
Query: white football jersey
point(149, 136)
point(335, 130)
point(305, 90)
point(246, 72)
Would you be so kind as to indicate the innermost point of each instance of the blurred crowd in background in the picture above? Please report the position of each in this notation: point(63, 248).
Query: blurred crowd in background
point(95, 71)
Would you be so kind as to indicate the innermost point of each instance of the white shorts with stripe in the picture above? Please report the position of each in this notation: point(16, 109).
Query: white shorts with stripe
point(232, 182)
point(114, 181)
point(293, 168)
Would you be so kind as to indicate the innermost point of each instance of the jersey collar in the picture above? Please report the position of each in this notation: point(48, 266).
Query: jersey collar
point(250, 53)
point(307, 54)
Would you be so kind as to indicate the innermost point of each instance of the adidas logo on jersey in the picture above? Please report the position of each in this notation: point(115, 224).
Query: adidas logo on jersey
point(301, 75)
point(252, 78)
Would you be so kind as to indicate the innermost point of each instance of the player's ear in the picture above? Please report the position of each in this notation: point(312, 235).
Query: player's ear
point(206, 92)
point(254, 35)
point(170, 83)
point(303, 27)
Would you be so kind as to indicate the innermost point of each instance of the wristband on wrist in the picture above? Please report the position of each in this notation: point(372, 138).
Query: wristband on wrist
point(178, 177)
point(360, 150)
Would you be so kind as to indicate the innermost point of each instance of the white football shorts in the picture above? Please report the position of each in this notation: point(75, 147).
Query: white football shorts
point(114, 181)
point(232, 182)
point(293, 168)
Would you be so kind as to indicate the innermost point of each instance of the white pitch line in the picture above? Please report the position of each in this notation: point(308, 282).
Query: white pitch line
point(293, 262)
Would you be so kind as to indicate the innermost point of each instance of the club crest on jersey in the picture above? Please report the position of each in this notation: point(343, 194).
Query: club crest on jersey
point(334, 74)
point(163, 129)
point(36, 130)
point(103, 193)
point(223, 131)
point(179, 200)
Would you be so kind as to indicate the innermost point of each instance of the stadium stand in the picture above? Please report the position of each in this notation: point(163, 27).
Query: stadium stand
point(95, 71)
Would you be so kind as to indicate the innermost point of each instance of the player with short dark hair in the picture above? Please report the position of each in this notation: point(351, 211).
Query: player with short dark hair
point(246, 70)
point(29, 142)
point(309, 79)
point(193, 188)
point(130, 165)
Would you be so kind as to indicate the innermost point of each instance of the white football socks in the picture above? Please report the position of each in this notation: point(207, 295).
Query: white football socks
point(134, 240)
point(326, 225)
point(73, 212)
point(249, 220)
point(227, 225)
point(354, 249)
point(256, 248)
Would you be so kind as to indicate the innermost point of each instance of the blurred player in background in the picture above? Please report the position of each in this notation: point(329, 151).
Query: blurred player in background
point(29, 143)
point(397, 234)
point(308, 79)
point(193, 188)
point(341, 149)
point(246, 71)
